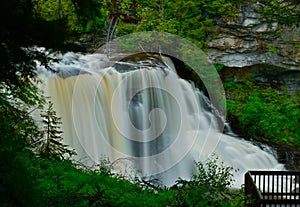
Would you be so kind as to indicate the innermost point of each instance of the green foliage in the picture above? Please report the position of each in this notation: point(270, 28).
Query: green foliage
point(79, 16)
point(18, 183)
point(91, 15)
point(218, 67)
point(188, 19)
point(209, 187)
point(286, 12)
point(20, 30)
point(65, 185)
point(201, 196)
point(265, 113)
point(212, 174)
point(50, 145)
point(62, 10)
point(272, 49)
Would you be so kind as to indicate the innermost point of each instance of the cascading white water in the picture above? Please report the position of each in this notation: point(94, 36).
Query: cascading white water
point(147, 115)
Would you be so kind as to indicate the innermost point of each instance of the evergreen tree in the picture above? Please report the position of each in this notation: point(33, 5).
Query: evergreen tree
point(50, 144)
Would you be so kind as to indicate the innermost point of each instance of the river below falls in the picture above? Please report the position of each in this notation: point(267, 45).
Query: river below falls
point(285, 154)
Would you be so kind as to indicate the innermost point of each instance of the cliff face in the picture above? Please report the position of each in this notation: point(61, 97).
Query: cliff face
point(250, 39)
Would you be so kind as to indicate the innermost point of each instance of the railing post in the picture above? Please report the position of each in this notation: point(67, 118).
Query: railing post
point(251, 190)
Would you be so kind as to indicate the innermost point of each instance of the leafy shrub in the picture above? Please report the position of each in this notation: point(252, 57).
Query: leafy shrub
point(211, 174)
point(209, 187)
point(265, 113)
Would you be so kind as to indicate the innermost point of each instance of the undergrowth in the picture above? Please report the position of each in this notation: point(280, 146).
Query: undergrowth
point(60, 183)
point(265, 113)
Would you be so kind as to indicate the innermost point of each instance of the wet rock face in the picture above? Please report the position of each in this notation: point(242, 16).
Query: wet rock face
point(250, 40)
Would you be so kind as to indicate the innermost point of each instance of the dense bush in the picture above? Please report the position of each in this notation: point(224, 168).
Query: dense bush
point(210, 186)
point(188, 19)
point(213, 174)
point(62, 184)
point(266, 114)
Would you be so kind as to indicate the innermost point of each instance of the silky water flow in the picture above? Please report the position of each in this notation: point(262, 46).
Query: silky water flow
point(142, 117)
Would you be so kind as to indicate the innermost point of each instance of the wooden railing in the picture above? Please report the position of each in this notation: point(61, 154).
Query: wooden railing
point(273, 188)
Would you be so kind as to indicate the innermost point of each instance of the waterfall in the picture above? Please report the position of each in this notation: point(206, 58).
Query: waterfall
point(142, 117)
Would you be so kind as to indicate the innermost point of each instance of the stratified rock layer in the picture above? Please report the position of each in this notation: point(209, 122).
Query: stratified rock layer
point(251, 39)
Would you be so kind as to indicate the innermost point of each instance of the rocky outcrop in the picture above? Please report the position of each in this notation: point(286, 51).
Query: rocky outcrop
point(264, 75)
point(249, 39)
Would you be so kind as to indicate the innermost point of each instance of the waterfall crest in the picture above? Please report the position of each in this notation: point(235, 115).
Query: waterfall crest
point(145, 114)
